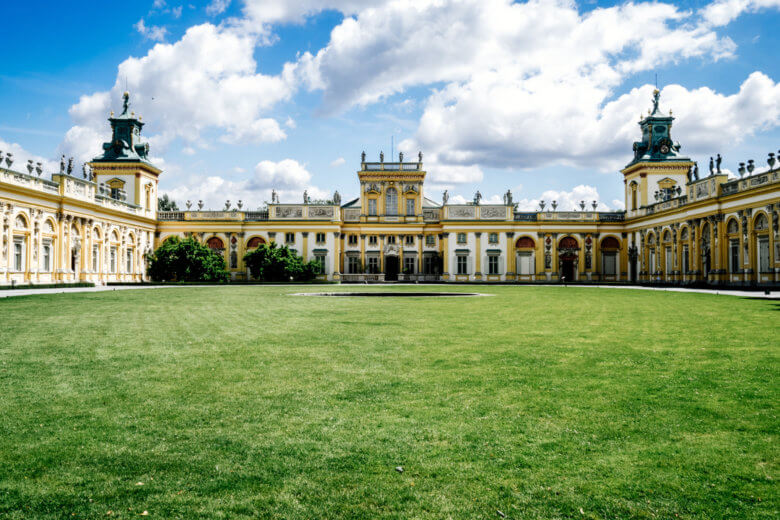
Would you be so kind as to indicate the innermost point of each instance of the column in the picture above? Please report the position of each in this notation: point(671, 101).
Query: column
point(444, 238)
point(381, 253)
point(478, 260)
point(511, 256)
point(305, 247)
point(363, 251)
point(337, 260)
point(420, 239)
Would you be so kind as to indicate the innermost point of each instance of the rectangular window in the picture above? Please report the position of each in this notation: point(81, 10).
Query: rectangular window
point(493, 238)
point(321, 259)
point(46, 257)
point(651, 261)
point(669, 260)
point(409, 240)
point(289, 238)
point(525, 263)
point(353, 265)
point(428, 264)
point(461, 238)
point(391, 239)
point(372, 207)
point(352, 239)
point(320, 238)
point(18, 255)
point(686, 260)
point(129, 261)
point(763, 255)
point(493, 264)
point(430, 240)
point(463, 264)
point(410, 207)
point(373, 264)
point(610, 261)
point(95, 258)
point(409, 264)
point(372, 240)
point(734, 256)
point(113, 259)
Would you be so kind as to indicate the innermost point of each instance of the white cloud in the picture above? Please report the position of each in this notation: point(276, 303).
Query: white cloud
point(176, 12)
point(217, 7)
point(566, 200)
point(722, 12)
point(207, 79)
point(290, 122)
point(285, 174)
point(154, 33)
point(338, 162)
point(20, 156)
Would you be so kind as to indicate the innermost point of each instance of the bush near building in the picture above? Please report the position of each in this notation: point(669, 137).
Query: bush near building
point(272, 263)
point(186, 261)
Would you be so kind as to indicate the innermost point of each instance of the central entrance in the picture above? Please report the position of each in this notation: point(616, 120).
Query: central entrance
point(567, 268)
point(391, 268)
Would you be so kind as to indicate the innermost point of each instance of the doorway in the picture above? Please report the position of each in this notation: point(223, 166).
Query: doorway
point(391, 268)
point(567, 268)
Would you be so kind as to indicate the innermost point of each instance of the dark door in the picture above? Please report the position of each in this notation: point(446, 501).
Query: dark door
point(391, 268)
point(567, 269)
point(633, 269)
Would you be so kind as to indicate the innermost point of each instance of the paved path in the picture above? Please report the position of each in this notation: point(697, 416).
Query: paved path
point(27, 292)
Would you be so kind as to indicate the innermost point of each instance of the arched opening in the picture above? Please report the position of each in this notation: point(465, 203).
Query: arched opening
point(761, 229)
point(609, 256)
point(391, 267)
point(255, 242)
point(567, 258)
point(525, 256)
point(215, 243)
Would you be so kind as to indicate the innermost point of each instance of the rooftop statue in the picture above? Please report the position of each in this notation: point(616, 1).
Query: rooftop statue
point(444, 198)
point(718, 160)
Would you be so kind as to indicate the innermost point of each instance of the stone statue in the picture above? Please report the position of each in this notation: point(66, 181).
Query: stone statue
point(718, 160)
point(337, 198)
point(419, 156)
point(444, 198)
point(363, 157)
point(689, 174)
point(400, 157)
point(84, 170)
point(70, 166)
point(696, 171)
point(712, 166)
point(227, 204)
point(477, 197)
point(62, 165)
point(656, 97)
point(508, 198)
point(189, 204)
point(381, 157)
point(274, 197)
point(200, 205)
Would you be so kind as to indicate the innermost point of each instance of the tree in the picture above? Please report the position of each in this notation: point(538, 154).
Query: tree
point(166, 203)
point(271, 263)
point(186, 261)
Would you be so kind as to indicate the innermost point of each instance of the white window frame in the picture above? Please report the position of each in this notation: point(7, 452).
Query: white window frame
point(462, 264)
point(46, 255)
point(410, 209)
point(20, 258)
point(494, 264)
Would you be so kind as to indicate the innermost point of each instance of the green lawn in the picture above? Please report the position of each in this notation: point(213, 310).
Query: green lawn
point(246, 402)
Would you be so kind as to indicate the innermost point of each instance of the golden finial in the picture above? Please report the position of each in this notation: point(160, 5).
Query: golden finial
point(140, 118)
point(670, 111)
point(112, 113)
point(132, 113)
point(656, 91)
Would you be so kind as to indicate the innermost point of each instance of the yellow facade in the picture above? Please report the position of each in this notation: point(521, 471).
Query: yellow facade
point(676, 229)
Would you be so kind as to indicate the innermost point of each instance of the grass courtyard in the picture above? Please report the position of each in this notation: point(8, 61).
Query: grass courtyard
point(246, 402)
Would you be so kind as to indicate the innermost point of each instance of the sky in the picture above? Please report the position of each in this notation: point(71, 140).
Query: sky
point(240, 97)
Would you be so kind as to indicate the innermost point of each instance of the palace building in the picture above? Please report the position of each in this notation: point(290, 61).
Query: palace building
point(679, 227)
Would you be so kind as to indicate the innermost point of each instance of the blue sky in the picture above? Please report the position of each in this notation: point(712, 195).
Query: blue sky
point(244, 97)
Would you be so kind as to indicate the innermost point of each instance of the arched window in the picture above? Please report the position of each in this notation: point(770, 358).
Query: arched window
point(215, 243)
point(255, 242)
point(610, 243)
point(525, 242)
point(568, 243)
point(20, 222)
point(684, 234)
point(667, 236)
point(733, 227)
point(761, 223)
point(391, 202)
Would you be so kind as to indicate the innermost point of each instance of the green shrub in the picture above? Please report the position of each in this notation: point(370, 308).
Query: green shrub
point(186, 261)
point(271, 263)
